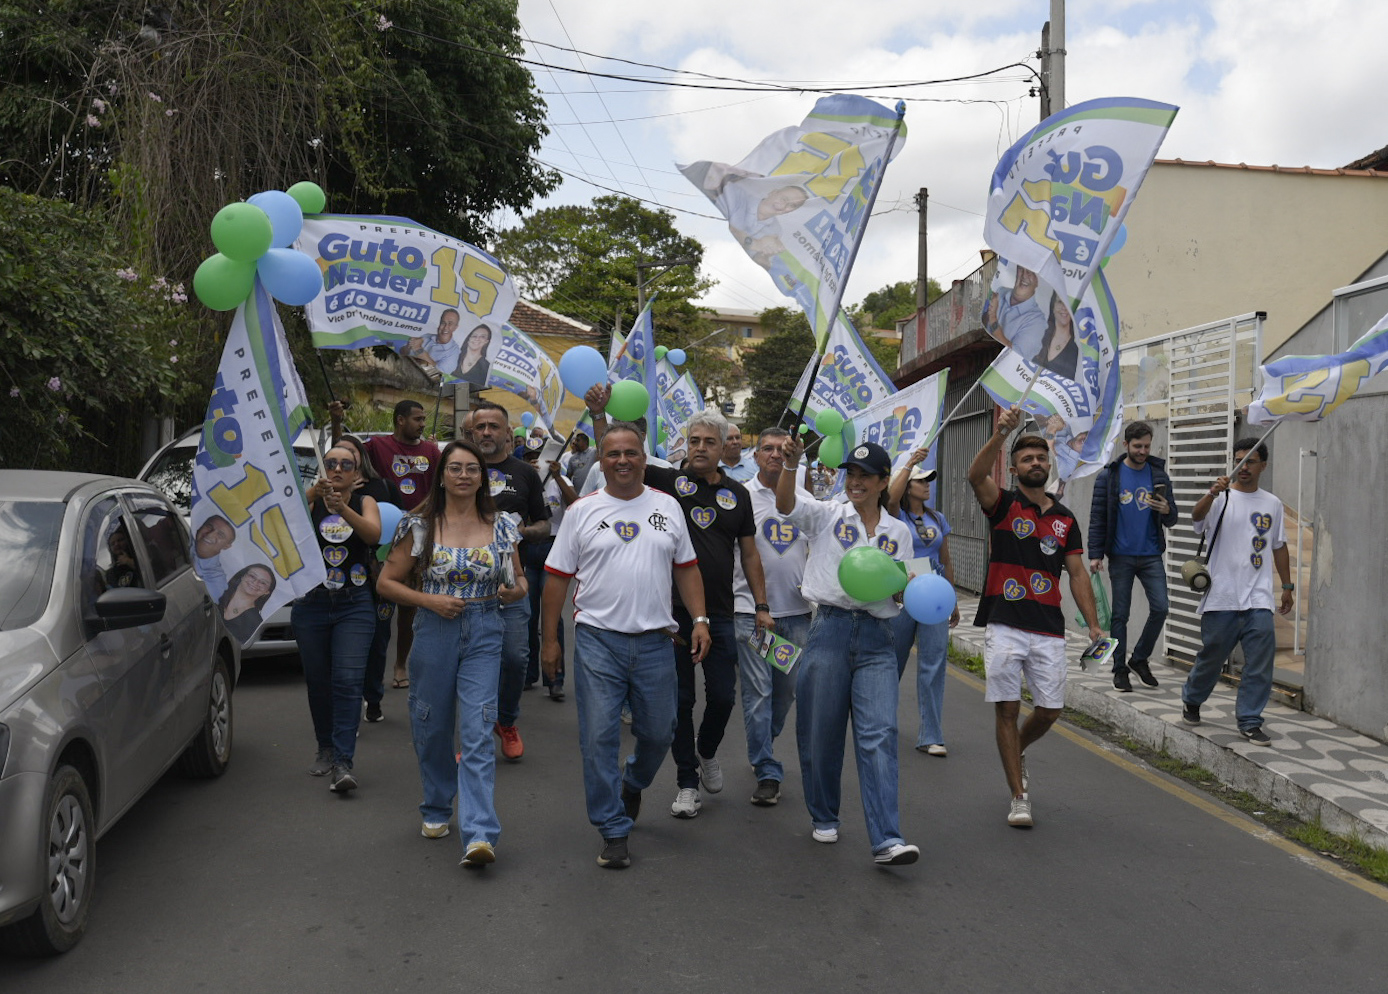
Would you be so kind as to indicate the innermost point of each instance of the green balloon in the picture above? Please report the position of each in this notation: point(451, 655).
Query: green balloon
point(629, 400)
point(660, 351)
point(868, 574)
point(828, 422)
point(383, 552)
point(222, 283)
point(309, 196)
point(804, 429)
point(831, 452)
point(242, 232)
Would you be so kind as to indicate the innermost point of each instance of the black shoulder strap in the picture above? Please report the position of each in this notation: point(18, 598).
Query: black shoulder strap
point(1201, 551)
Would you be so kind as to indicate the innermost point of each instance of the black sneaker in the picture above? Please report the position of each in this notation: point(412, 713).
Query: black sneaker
point(1121, 681)
point(1256, 735)
point(768, 792)
point(556, 694)
point(342, 780)
point(631, 800)
point(614, 854)
point(373, 711)
point(1143, 671)
point(322, 763)
point(1190, 713)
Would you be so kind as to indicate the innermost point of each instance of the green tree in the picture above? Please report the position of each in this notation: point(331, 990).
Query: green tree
point(774, 367)
point(885, 307)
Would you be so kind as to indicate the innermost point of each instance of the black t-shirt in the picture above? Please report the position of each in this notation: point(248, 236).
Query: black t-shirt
point(517, 487)
point(1027, 553)
point(346, 556)
point(718, 514)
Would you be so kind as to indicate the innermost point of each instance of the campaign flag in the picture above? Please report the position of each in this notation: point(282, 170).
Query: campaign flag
point(799, 203)
point(847, 378)
point(585, 425)
point(1059, 195)
point(635, 360)
point(1309, 387)
point(901, 422)
point(389, 281)
point(526, 370)
point(253, 537)
point(1077, 398)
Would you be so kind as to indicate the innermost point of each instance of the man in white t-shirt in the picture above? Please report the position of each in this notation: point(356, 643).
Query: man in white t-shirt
point(1245, 539)
point(625, 545)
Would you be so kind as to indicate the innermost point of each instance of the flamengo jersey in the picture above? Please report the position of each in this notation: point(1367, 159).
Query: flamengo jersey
point(622, 552)
point(1026, 556)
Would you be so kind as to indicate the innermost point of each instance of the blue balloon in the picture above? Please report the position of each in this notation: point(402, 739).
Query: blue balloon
point(290, 276)
point(580, 368)
point(390, 520)
point(528, 419)
point(676, 356)
point(660, 451)
point(929, 599)
point(286, 216)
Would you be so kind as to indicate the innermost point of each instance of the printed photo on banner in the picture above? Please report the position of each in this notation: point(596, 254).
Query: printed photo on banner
point(452, 356)
point(1033, 319)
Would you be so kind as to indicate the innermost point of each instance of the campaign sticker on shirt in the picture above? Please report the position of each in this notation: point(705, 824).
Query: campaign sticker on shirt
point(334, 529)
point(846, 534)
point(1013, 591)
point(726, 499)
point(334, 555)
point(628, 530)
point(460, 577)
point(358, 574)
point(407, 486)
point(1261, 522)
point(886, 544)
point(335, 580)
point(780, 535)
point(1259, 544)
point(1142, 497)
point(685, 487)
point(420, 464)
point(1040, 584)
point(930, 534)
point(1125, 496)
point(482, 557)
point(441, 557)
point(1257, 560)
point(703, 516)
point(1023, 527)
point(497, 481)
point(1049, 545)
point(400, 466)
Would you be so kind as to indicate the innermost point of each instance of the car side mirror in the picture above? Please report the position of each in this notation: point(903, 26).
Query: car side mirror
point(129, 607)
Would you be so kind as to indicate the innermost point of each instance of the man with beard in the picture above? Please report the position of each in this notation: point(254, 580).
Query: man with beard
point(1033, 537)
point(516, 487)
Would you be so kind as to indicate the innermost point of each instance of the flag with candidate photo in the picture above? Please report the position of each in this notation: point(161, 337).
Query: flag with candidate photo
point(1310, 387)
point(847, 377)
point(799, 203)
point(526, 370)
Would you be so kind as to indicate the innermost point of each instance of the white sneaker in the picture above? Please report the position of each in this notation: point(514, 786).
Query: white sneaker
point(1019, 815)
point(434, 829)
point(896, 855)
point(936, 749)
point(687, 803)
point(710, 775)
point(826, 835)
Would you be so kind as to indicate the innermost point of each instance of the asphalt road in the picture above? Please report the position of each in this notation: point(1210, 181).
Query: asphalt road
point(264, 881)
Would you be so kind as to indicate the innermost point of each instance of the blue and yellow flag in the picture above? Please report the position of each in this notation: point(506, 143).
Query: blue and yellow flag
point(1309, 387)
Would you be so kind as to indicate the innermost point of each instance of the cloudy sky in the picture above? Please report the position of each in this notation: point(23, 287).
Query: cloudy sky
point(1259, 81)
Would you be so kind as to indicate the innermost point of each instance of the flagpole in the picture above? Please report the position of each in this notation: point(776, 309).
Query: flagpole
point(1250, 452)
point(867, 216)
point(439, 403)
point(950, 416)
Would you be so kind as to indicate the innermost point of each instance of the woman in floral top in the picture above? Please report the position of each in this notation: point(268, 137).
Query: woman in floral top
point(456, 557)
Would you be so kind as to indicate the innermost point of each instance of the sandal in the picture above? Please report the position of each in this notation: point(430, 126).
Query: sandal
point(400, 683)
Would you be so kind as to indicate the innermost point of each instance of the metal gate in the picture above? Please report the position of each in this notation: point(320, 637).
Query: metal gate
point(958, 444)
point(1210, 371)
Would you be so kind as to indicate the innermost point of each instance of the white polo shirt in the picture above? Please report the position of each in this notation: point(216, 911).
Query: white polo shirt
point(783, 549)
point(622, 552)
point(1241, 568)
point(833, 529)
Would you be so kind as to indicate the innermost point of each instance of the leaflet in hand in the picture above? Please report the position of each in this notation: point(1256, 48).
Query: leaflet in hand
point(775, 650)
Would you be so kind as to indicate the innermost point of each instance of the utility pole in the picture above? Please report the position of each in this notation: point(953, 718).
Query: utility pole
point(922, 201)
point(1053, 61)
point(664, 265)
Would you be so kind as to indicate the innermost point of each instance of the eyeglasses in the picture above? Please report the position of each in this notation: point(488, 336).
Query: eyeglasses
point(346, 465)
point(458, 469)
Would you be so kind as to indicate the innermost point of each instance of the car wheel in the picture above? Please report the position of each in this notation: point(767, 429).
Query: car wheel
point(69, 870)
point(210, 752)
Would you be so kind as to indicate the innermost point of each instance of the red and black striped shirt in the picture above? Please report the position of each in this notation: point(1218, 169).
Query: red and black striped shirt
point(1026, 557)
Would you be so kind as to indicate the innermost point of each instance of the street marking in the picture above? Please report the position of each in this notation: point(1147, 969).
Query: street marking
point(1237, 819)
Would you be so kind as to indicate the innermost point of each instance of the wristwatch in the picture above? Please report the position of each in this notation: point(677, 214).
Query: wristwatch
point(1289, 586)
point(701, 620)
point(763, 607)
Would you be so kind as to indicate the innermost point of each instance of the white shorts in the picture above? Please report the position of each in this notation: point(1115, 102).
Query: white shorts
point(1009, 653)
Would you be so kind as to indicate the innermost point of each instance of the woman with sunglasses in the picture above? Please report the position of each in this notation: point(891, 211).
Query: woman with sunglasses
point(335, 621)
point(907, 495)
point(455, 556)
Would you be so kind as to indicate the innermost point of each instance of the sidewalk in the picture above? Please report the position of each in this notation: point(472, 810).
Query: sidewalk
point(1314, 768)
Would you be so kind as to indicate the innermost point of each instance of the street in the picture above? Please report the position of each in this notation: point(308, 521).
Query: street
point(264, 881)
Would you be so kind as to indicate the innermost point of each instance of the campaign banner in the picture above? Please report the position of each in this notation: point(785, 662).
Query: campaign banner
point(1310, 387)
point(526, 370)
point(799, 203)
point(1058, 196)
point(1077, 398)
point(390, 281)
point(253, 537)
point(902, 422)
point(635, 360)
point(847, 378)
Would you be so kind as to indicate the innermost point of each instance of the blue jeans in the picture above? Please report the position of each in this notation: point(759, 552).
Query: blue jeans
point(767, 693)
point(849, 667)
point(533, 555)
point(453, 667)
point(1150, 572)
point(932, 653)
point(334, 629)
point(609, 668)
point(374, 686)
point(1220, 631)
point(515, 651)
point(720, 694)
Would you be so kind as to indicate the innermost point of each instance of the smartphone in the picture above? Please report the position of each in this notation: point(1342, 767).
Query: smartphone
point(1159, 490)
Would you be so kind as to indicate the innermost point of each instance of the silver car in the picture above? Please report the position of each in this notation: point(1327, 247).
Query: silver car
point(114, 665)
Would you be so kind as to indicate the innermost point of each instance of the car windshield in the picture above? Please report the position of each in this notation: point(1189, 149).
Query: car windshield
point(28, 550)
point(172, 473)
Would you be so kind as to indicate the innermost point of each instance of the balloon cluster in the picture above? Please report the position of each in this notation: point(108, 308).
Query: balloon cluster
point(929, 599)
point(583, 367)
point(253, 239)
point(390, 520)
point(868, 574)
point(840, 436)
